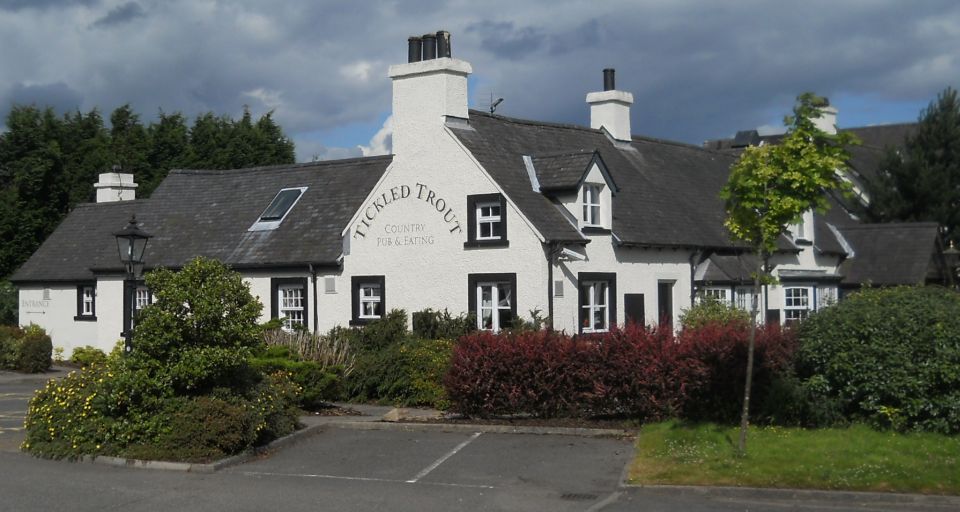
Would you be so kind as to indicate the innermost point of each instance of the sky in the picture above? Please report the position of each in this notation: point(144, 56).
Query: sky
point(697, 70)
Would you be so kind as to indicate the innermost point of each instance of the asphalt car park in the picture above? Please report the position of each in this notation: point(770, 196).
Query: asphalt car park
point(568, 467)
point(14, 400)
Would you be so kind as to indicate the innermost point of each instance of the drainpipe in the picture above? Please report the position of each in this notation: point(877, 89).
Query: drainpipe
point(552, 250)
point(316, 307)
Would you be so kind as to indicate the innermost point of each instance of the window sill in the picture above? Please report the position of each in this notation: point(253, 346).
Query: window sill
point(355, 322)
point(802, 241)
point(480, 244)
point(85, 318)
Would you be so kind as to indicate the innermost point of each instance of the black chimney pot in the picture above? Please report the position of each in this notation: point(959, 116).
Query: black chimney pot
point(429, 46)
point(609, 83)
point(414, 49)
point(443, 44)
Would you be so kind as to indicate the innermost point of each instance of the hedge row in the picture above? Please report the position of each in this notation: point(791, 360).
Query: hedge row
point(635, 372)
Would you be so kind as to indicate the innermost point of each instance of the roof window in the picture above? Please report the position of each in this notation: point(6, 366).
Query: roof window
point(281, 205)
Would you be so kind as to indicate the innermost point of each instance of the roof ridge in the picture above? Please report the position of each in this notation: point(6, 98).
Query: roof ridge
point(124, 202)
point(548, 124)
point(554, 154)
point(279, 167)
point(880, 225)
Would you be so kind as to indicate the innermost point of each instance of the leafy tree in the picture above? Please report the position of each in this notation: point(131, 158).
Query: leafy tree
point(772, 186)
point(200, 330)
point(921, 182)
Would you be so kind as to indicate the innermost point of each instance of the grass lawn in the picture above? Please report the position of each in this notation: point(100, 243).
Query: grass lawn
point(857, 458)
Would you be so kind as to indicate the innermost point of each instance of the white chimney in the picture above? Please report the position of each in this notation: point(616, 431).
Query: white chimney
point(430, 87)
point(827, 122)
point(115, 186)
point(610, 109)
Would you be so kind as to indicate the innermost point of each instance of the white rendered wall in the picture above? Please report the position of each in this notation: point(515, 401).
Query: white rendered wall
point(56, 314)
point(416, 240)
point(638, 271)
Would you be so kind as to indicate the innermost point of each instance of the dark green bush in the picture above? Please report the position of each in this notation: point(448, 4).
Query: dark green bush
point(207, 427)
point(890, 357)
point(318, 386)
point(9, 346)
point(35, 350)
point(433, 325)
point(86, 356)
point(395, 367)
point(8, 303)
point(379, 334)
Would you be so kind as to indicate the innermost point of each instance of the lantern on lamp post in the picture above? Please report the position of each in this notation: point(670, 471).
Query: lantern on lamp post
point(131, 244)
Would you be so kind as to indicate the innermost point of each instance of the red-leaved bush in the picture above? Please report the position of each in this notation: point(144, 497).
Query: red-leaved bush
point(722, 350)
point(632, 371)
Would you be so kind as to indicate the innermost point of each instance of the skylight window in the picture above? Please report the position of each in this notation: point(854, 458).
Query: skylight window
point(278, 209)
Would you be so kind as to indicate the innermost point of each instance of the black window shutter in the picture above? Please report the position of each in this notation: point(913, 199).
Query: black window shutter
point(633, 308)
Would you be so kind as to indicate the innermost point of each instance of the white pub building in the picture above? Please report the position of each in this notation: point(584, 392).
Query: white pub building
point(591, 226)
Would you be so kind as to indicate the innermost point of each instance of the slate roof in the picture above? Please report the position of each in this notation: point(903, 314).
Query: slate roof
point(668, 191)
point(207, 213)
point(890, 254)
point(727, 268)
point(561, 171)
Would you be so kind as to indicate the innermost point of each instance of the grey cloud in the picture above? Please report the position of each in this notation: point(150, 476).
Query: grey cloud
point(120, 14)
point(504, 39)
point(696, 72)
point(16, 5)
point(58, 96)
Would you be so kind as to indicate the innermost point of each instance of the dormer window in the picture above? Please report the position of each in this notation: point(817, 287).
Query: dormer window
point(591, 205)
point(487, 221)
point(802, 230)
point(278, 209)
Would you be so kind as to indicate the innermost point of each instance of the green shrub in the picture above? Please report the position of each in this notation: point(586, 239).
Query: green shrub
point(379, 334)
point(189, 364)
point(35, 350)
point(204, 428)
point(394, 367)
point(432, 325)
point(709, 310)
point(890, 357)
point(87, 355)
point(9, 346)
point(318, 385)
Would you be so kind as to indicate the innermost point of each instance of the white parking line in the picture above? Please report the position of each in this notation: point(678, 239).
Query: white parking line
point(361, 479)
point(441, 460)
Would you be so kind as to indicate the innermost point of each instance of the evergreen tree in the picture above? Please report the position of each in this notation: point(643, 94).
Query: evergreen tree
point(169, 145)
point(48, 164)
point(921, 182)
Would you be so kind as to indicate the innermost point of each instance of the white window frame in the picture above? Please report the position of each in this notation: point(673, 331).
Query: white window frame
point(289, 304)
point(142, 297)
point(826, 296)
point(720, 294)
point(88, 298)
point(496, 304)
point(489, 220)
point(797, 308)
point(592, 205)
point(370, 294)
point(591, 306)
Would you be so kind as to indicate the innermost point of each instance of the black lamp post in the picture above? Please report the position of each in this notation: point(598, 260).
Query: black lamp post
point(131, 243)
point(952, 258)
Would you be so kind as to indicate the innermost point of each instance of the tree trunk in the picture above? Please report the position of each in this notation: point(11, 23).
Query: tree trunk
point(745, 415)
